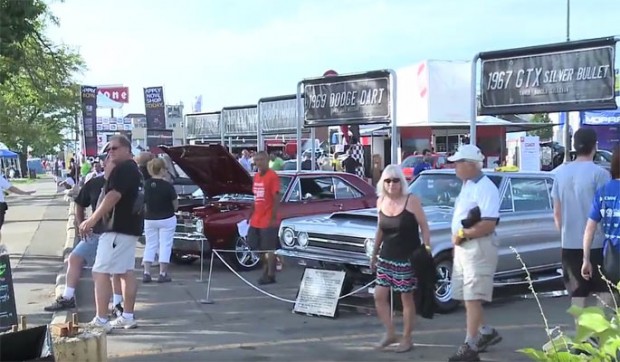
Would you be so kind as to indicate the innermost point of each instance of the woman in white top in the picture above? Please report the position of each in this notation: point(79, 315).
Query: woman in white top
point(6, 186)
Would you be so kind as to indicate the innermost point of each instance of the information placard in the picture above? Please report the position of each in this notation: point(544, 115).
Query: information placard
point(319, 292)
point(8, 311)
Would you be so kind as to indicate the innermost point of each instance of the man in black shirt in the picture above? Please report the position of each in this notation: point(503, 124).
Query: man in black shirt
point(350, 164)
point(120, 210)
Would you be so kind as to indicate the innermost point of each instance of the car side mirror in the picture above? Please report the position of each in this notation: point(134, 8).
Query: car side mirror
point(307, 197)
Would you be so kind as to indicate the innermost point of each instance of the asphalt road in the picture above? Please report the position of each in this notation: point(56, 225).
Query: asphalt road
point(35, 233)
point(243, 325)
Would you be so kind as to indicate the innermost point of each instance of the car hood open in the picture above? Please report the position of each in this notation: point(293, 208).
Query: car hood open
point(212, 168)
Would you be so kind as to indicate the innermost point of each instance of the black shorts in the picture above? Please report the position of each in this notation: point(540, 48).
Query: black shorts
point(263, 239)
point(576, 286)
point(3, 208)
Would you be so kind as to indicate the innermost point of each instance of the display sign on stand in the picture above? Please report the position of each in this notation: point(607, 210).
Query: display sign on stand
point(319, 292)
point(8, 311)
point(524, 153)
point(204, 126)
point(277, 116)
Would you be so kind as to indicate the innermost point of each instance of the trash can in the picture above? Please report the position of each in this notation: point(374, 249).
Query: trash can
point(32, 344)
point(32, 173)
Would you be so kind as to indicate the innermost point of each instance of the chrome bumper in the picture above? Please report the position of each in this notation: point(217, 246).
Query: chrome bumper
point(190, 242)
point(320, 256)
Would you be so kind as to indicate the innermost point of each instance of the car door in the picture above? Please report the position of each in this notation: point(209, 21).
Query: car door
point(526, 224)
point(347, 197)
point(311, 195)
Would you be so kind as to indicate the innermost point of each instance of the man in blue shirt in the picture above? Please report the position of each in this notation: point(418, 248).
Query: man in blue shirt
point(424, 165)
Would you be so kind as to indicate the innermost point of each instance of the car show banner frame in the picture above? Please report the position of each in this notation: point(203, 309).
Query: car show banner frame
point(207, 118)
point(348, 99)
point(228, 129)
point(287, 126)
point(559, 77)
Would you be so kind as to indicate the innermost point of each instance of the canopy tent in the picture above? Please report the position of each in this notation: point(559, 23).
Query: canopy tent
point(6, 153)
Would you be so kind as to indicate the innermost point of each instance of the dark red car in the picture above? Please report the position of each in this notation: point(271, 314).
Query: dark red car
point(227, 190)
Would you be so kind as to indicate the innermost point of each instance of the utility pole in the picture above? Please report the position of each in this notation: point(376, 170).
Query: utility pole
point(566, 129)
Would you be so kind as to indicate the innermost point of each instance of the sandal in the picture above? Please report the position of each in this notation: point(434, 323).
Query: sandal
point(386, 341)
point(404, 346)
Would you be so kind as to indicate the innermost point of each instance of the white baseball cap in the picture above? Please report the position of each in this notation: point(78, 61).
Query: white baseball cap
point(467, 153)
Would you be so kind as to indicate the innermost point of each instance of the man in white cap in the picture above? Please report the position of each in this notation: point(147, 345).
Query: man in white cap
point(475, 249)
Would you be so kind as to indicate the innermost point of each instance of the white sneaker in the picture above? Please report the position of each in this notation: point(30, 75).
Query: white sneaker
point(123, 322)
point(97, 323)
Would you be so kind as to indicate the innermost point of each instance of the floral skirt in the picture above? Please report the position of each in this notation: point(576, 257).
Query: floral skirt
point(397, 275)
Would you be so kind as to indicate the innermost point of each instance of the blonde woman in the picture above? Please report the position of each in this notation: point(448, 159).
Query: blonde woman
point(401, 218)
point(161, 202)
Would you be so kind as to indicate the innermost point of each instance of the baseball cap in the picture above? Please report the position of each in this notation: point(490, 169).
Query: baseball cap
point(584, 140)
point(467, 153)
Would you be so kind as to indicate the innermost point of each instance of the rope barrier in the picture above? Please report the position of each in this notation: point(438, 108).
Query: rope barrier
point(216, 252)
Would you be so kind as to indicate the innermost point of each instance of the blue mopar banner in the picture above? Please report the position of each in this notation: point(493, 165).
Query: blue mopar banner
point(595, 118)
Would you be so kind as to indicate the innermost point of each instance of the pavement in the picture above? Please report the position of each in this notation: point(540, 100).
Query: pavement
point(35, 233)
point(244, 325)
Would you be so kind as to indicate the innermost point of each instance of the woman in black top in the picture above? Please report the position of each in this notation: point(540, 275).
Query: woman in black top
point(160, 222)
point(401, 218)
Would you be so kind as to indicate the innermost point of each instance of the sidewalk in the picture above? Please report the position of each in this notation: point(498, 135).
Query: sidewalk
point(243, 325)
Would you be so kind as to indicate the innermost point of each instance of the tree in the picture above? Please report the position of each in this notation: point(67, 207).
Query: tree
point(545, 132)
point(19, 19)
point(40, 99)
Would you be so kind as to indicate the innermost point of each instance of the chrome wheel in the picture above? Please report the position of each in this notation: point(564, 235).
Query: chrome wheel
point(443, 288)
point(245, 257)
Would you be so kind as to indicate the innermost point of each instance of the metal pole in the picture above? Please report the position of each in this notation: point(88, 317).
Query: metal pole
point(300, 120)
point(474, 101)
point(230, 148)
point(208, 300)
point(259, 128)
point(313, 147)
point(396, 154)
point(184, 129)
point(566, 126)
point(222, 139)
point(202, 259)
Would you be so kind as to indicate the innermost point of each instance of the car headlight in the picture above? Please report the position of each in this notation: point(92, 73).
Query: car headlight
point(288, 236)
point(200, 225)
point(302, 239)
point(369, 246)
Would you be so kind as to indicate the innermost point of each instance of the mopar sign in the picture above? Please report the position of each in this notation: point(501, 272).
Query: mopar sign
point(549, 80)
point(354, 99)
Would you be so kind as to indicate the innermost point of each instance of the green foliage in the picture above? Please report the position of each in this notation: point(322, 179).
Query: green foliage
point(543, 133)
point(592, 323)
point(41, 98)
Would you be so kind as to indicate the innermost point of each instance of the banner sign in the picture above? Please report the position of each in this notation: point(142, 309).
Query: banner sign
point(159, 137)
point(89, 119)
point(117, 94)
point(574, 77)
point(240, 121)
point(8, 312)
point(278, 116)
point(594, 118)
point(348, 99)
point(155, 108)
point(205, 125)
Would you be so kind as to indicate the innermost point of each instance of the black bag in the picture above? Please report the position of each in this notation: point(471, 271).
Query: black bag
point(611, 262)
point(3, 206)
point(32, 344)
point(473, 217)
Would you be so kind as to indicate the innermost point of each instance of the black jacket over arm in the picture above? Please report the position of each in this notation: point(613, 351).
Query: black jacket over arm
point(424, 270)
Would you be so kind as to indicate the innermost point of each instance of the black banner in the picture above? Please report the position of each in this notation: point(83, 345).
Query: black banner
point(348, 99)
point(89, 119)
point(8, 312)
point(155, 108)
point(158, 137)
point(575, 77)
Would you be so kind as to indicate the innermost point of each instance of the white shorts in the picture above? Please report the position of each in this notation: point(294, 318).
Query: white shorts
point(116, 253)
point(474, 266)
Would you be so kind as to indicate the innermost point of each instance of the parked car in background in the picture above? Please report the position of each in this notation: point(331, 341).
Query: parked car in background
point(438, 161)
point(345, 240)
point(227, 198)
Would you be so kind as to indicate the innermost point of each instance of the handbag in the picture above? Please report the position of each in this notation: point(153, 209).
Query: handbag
point(611, 261)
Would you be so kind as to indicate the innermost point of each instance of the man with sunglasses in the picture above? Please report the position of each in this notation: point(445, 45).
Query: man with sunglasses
point(123, 225)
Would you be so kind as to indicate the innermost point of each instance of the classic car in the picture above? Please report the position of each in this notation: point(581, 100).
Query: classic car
point(344, 240)
point(226, 186)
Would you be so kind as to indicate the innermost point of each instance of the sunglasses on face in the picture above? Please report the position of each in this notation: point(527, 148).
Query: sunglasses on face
point(391, 180)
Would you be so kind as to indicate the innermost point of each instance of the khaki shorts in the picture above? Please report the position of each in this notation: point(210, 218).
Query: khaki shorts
point(116, 253)
point(474, 266)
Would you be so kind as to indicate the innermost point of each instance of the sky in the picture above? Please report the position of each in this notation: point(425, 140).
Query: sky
point(233, 52)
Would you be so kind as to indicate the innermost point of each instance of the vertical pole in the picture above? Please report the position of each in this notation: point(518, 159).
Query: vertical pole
point(300, 120)
point(566, 126)
point(474, 101)
point(396, 154)
point(259, 128)
point(313, 148)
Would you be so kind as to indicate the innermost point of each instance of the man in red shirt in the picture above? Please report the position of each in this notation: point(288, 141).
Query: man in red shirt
point(263, 233)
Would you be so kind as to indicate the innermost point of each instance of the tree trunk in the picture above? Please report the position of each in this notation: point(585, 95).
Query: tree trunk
point(23, 164)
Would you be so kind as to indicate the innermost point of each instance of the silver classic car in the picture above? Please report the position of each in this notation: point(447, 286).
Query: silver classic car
point(345, 240)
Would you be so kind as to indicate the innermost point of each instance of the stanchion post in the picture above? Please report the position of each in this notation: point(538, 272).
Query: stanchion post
point(202, 261)
point(207, 299)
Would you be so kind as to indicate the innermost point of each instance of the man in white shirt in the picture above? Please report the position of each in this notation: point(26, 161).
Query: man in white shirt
point(6, 186)
point(245, 161)
point(475, 249)
point(96, 172)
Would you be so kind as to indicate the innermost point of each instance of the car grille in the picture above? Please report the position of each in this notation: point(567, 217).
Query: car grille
point(185, 224)
point(344, 243)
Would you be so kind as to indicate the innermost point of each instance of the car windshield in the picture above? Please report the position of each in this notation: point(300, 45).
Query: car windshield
point(412, 162)
point(435, 189)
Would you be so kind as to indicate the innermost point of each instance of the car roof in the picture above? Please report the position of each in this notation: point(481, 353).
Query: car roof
point(306, 172)
point(492, 172)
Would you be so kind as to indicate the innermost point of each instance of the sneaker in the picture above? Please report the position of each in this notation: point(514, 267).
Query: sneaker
point(164, 278)
point(97, 323)
point(465, 354)
point(124, 323)
point(146, 278)
point(60, 304)
point(264, 280)
point(488, 340)
point(117, 311)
